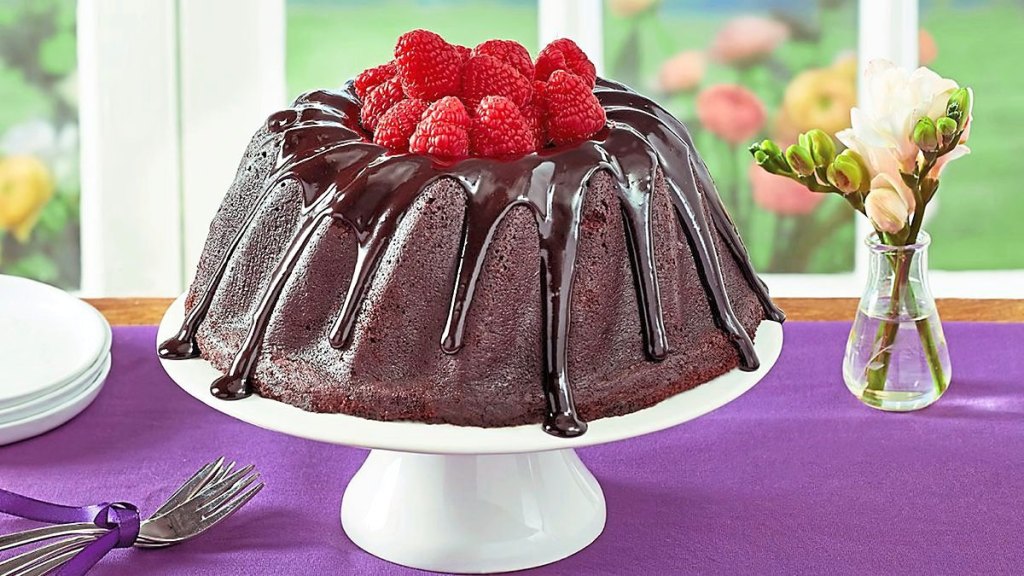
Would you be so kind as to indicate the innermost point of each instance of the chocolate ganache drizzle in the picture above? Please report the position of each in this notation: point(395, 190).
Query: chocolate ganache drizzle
point(344, 176)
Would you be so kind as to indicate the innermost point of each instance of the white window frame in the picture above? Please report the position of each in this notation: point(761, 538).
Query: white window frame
point(170, 78)
point(131, 207)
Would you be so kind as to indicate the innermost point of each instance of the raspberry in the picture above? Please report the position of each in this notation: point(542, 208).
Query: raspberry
point(372, 77)
point(378, 101)
point(487, 76)
point(564, 54)
point(464, 52)
point(532, 116)
point(443, 131)
point(429, 67)
point(499, 129)
point(571, 111)
point(396, 126)
point(510, 52)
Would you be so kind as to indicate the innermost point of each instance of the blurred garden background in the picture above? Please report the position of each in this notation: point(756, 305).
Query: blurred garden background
point(39, 181)
point(733, 70)
point(775, 68)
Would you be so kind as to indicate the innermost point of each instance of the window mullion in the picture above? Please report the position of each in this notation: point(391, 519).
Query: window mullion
point(580, 20)
point(130, 205)
point(886, 29)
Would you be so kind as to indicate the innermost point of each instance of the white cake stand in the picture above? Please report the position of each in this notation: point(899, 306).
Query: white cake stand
point(464, 499)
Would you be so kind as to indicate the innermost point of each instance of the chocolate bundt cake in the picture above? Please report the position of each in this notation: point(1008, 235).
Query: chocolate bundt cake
point(569, 284)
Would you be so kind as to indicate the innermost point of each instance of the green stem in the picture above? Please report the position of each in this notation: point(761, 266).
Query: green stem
point(878, 367)
point(928, 344)
point(887, 331)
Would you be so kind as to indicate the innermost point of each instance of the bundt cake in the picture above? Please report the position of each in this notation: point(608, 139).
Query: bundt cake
point(573, 282)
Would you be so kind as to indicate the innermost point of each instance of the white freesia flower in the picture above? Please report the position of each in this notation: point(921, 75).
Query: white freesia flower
point(882, 131)
point(886, 204)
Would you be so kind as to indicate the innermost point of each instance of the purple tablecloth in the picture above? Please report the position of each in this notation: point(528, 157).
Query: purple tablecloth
point(795, 477)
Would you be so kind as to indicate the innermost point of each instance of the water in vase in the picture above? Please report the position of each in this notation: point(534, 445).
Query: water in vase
point(912, 379)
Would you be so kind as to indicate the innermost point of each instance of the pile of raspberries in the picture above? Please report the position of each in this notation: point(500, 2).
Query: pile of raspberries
point(493, 101)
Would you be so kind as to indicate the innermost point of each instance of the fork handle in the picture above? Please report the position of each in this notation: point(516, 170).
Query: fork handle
point(49, 566)
point(17, 539)
point(22, 562)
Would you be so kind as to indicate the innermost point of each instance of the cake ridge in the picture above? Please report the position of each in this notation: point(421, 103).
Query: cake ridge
point(344, 177)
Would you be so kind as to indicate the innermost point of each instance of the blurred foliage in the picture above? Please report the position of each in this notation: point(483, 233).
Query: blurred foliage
point(38, 60)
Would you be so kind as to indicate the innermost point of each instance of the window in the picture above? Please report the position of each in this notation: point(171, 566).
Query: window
point(784, 64)
point(39, 179)
point(330, 41)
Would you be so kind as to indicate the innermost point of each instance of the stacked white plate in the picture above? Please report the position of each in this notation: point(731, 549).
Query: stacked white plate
point(54, 357)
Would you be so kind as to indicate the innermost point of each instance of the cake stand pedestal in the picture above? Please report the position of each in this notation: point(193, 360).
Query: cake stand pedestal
point(464, 499)
point(473, 513)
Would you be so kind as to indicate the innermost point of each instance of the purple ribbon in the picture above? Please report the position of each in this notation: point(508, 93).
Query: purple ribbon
point(121, 520)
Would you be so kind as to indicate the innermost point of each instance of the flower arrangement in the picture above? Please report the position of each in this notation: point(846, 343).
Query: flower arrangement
point(896, 149)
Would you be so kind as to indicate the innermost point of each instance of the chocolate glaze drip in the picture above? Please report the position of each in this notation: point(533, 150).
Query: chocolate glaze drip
point(343, 176)
point(619, 98)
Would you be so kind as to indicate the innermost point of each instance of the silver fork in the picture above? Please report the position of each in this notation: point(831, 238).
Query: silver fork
point(198, 514)
point(209, 497)
point(184, 522)
point(191, 518)
point(209, 473)
point(45, 554)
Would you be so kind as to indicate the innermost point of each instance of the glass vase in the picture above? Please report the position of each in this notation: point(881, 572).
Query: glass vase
point(896, 358)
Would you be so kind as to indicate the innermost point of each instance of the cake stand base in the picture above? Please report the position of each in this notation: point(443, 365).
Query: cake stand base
point(473, 513)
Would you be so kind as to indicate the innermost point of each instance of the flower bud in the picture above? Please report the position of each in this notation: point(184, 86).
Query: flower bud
point(768, 155)
point(848, 172)
point(946, 127)
point(885, 207)
point(800, 160)
point(959, 106)
point(823, 149)
point(771, 147)
point(925, 135)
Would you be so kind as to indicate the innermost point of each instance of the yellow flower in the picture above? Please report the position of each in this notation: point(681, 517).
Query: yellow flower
point(822, 97)
point(25, 187)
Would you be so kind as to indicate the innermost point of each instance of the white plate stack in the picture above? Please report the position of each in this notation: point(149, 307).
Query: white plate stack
point(54, 357)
